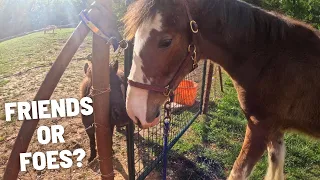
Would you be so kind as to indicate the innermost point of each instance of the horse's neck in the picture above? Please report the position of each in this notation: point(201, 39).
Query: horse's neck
point(234, 50)
point(236, 64)
point(233, 60)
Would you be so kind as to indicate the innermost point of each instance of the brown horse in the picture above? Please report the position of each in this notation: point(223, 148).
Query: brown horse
point(274, 62)
point(117, 111)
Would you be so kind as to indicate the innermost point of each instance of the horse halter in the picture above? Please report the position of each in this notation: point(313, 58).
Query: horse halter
point(192, 55)
point(109, 38)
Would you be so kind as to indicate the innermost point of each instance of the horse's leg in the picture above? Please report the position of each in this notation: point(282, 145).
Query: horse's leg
point(254, 145)
point(91, 133)
point(88, 122)
point(276, 155)
point(92, 138)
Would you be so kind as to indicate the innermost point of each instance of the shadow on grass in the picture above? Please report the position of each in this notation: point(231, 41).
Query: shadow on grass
point(179, 166)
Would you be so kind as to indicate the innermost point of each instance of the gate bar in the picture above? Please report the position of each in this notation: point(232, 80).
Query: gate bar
point(130, 126)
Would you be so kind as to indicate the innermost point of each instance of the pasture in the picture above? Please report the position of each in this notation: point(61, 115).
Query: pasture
point(207, 151)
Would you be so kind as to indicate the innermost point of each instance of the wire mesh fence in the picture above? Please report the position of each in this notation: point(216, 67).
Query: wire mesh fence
point(148, 143)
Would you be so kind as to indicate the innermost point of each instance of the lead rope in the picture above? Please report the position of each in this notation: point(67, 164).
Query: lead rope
point(166, 128)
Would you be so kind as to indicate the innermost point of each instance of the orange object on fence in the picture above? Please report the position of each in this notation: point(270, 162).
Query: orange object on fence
point(186, 93)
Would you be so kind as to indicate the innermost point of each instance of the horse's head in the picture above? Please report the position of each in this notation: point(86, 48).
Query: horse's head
point(162, 35)
point(117, 101)
point(118, 112)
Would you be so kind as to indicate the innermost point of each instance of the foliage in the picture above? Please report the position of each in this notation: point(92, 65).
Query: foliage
point(19, 16)
point(305, 10)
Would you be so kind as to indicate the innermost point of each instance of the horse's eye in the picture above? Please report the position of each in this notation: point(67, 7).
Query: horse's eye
point(165, 43)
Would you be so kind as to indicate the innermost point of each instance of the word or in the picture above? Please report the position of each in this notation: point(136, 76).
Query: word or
point(39, 109)
point(45, 135)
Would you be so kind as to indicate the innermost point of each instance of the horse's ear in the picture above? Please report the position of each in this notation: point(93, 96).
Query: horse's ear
point(115, 66)
point(85, 68)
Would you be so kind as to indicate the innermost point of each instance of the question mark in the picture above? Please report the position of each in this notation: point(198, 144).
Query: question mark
point(81, 153)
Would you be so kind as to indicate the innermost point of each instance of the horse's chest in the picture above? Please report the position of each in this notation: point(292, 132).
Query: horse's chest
point(252, 102)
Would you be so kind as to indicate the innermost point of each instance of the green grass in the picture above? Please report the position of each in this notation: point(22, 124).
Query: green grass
point(4, 82)
point(222, 132)
point(32, 50)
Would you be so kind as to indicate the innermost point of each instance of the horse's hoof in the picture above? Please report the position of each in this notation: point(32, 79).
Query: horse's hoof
point(91, 158)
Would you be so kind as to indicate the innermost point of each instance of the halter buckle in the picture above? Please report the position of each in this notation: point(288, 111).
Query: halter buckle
point(123, 44)
point(168, 91)
point(194, 26)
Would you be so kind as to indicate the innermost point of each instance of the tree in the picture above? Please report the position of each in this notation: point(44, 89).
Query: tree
point(305, 10)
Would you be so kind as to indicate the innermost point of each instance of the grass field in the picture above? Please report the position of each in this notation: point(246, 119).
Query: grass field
point(212, 143)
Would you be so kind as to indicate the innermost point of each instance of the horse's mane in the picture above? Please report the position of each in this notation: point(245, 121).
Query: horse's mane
point(137, 13)
point(236, 17)
point(241, 19)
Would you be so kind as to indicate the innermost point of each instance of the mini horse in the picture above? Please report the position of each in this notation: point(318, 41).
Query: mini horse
point(118, 112)
point(274, 62)
point(50, 28)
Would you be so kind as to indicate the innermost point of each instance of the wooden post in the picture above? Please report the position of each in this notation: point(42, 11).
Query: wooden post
point(208, 87)
point(100, 78)
point(220, 78)
point(100, 82)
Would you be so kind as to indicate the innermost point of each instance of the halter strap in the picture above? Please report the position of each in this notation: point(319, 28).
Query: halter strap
point(192, 54)
point(94, 28)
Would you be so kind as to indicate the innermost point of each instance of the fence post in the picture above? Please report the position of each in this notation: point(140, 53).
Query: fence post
point(100, 79)
point(101, 82)
point(208, 87)
point(204, 72)
point(220, 78)
point(130, 126)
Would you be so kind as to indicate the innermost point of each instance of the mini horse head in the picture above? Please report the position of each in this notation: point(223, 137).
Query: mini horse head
point(117, 101)
point(164, 53)
point(118, 112)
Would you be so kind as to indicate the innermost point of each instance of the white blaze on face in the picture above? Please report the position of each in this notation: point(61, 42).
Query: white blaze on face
point(136, 102)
